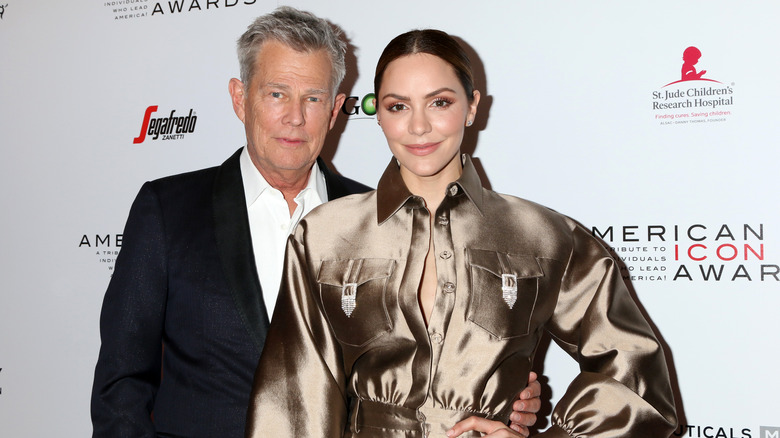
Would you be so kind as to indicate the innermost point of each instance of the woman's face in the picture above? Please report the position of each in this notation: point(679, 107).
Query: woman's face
point(423, 109)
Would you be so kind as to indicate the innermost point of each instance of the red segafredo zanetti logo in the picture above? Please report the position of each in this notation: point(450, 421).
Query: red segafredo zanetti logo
point(172, 127)
point(688, 72)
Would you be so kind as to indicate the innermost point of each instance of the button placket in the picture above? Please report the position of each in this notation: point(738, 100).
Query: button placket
point(443, 220)
point(446, 278)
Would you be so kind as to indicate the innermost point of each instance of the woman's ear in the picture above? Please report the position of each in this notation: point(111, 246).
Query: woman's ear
point(472, 115)
point(373, 102)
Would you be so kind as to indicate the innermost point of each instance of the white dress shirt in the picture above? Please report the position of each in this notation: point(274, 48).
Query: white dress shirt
point(270, 222)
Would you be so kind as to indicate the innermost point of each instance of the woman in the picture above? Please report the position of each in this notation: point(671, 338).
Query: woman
point(413, 310)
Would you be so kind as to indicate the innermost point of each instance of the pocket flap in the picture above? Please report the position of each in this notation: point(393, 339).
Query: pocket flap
point(523, 266)
point(357, 271)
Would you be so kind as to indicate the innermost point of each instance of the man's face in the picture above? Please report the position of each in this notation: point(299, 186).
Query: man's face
point(287, 109)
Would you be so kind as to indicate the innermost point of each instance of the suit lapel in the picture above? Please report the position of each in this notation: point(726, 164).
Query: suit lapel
point(234, 244)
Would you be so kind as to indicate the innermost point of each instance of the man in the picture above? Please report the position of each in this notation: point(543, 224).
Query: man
point(185, 316)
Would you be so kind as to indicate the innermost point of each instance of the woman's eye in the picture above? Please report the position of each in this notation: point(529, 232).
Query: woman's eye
point(441, 103)
point(396, 107)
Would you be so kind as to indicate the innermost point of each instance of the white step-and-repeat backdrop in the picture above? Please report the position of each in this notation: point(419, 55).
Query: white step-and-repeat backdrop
point(584, 110)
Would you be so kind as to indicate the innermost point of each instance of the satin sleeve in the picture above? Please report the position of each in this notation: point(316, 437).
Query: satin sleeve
point(299, 385)
point(623, 388)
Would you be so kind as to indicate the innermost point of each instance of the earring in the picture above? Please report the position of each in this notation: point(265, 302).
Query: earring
point(469, 122)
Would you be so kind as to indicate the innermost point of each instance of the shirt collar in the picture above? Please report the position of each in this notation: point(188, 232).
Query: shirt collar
point(392, 193)
point(317, 182)
point(255, 184)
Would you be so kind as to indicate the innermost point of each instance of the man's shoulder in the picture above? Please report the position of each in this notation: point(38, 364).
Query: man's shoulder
point(339, 185)
point(186, 178)
point(353, 186)
point(195, 178)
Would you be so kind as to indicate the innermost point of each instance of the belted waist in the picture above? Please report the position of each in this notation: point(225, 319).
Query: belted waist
point(368, 416)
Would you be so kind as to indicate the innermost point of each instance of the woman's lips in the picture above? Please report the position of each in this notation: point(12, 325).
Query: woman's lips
point(422, 148)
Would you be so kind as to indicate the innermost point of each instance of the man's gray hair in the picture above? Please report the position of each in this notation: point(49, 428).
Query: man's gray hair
point(299, 30)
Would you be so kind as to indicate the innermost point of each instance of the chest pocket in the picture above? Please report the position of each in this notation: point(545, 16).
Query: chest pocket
point(353, 294)
point(504, 292)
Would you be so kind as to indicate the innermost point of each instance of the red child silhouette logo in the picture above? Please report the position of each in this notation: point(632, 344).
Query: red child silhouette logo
point(691, 57)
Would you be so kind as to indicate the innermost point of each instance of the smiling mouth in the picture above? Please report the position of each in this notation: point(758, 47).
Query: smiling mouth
point(423, 148)
point(292, 142)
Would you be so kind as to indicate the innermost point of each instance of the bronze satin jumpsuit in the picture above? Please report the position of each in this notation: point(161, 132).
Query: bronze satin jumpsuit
point(349, 353)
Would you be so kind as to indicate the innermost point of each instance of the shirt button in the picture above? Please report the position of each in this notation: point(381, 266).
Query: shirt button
point(453, 190)
point(437, 338)
point(449, 287)
point(443, 220)
point(445, 254)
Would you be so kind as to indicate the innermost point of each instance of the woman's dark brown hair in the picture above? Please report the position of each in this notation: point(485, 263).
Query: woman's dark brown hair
point(433, 42)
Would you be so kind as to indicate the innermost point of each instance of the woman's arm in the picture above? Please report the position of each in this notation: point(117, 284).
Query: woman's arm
point(301, 364)
point(623, 388)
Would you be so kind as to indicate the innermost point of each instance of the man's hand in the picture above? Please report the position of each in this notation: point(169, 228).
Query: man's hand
point(488, 428)
point(526, 406)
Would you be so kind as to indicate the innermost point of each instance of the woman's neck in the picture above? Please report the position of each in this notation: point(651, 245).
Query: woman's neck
point(432, 188)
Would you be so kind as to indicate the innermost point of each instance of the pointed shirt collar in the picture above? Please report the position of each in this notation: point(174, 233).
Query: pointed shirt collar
point(255, 184)
point(392, 193)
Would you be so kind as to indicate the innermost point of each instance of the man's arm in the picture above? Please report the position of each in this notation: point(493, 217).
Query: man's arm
point(128, 369)
point(526, 406)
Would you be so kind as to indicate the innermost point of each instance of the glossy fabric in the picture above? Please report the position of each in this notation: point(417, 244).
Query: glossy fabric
point(183, 320)
point(381, 372)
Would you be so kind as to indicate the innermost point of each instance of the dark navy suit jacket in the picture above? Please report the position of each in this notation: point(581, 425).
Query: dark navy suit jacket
point(183, 321)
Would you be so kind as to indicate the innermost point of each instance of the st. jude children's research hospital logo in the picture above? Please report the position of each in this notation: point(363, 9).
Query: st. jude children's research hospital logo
point(693, 98)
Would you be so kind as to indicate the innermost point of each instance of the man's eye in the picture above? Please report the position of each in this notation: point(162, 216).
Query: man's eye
point(276, 94)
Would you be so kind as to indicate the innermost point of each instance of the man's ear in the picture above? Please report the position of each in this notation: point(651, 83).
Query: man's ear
point(236, 89)
point(338, 102)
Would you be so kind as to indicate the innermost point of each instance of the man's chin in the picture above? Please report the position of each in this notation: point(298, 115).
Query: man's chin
point(287, 166)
